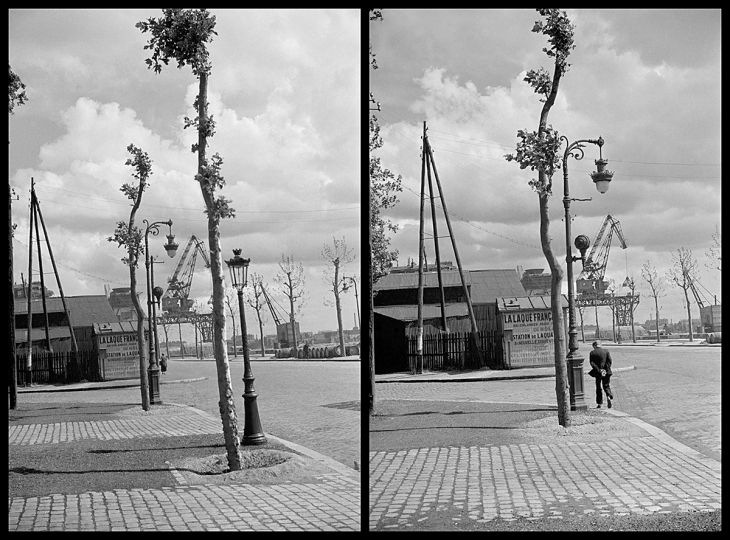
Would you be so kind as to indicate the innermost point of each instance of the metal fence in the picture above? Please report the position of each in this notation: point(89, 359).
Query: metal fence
point(456, 350)
point(59, 367)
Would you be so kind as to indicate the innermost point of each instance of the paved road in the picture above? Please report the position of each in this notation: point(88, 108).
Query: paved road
point(675, 388)
point(314, 404)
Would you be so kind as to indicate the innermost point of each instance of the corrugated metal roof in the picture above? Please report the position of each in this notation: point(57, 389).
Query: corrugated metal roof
point(487, 285)
point(39, 334)
point(83, 310)
point(509, 303)
point(409, 280)
point(124, 326)
point(430, 311)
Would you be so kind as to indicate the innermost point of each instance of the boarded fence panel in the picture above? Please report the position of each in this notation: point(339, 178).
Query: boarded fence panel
point(453, 351)
point(60, 367)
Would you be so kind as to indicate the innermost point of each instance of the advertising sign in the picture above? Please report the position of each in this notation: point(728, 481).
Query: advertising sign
point(531, 343)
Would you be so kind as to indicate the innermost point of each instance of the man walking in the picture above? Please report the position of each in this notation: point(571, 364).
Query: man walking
point(600, 360)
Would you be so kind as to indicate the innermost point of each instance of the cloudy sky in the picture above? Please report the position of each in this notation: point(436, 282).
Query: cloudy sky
point(285, 93)
point(647, 81)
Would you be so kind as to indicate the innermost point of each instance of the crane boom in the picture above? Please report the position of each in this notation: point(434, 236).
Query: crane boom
point(594, 267)
point(590, 280)
point(176, 298)
point(276, 318)
point(692, 287)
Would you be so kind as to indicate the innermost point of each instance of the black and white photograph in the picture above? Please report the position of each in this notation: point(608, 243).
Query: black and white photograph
point(546, 270)
point(360, 270)
point(185, 193)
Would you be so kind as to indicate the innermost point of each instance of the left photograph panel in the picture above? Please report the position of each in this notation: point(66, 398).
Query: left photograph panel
point(184, 237)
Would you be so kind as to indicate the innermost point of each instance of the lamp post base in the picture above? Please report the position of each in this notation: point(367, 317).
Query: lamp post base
point(575, 379)
point(252, 432)
point(153, 375)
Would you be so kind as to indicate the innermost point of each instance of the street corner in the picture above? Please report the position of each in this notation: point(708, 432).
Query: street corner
point(588, 425)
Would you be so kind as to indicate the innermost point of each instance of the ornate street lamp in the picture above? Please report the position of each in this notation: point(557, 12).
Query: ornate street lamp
point(153, 369)
point(345, 287)
point(252, 432)
point(602, 178)
point(157, 292)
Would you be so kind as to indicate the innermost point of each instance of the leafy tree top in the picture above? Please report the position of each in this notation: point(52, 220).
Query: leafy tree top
point(538, 150)
point(16, 91)
point(180, 34)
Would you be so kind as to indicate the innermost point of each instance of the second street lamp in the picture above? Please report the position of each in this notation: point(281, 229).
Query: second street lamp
point(252, 432)
point(601, 177)
point(347, 286)
point(153, 369)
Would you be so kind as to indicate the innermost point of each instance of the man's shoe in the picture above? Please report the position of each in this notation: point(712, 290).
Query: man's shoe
point(609, 403)
point(598, 406)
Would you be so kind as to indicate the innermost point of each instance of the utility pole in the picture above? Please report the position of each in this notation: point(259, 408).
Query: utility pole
point(472, 319)
point(436, 248)
point(419, 336)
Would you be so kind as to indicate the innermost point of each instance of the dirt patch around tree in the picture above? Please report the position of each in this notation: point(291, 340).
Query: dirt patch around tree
point(260, 466)
point(585, 426)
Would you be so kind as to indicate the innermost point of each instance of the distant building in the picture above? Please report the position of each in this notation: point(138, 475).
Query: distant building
point(21, 291)
point(396, 308)
point(120, 299)
point(95, 326)
point(536, 282)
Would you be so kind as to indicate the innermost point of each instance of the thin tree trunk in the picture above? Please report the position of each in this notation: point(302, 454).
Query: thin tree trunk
point(562, 390)
point(656, 307)
point(13, 366)
point(226, 402)
point(261, 331)
point(689, 314)
point(141, 349)
point(339, 309)
point(371, 340)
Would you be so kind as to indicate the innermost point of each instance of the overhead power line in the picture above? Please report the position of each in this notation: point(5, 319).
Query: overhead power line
point(476, 141)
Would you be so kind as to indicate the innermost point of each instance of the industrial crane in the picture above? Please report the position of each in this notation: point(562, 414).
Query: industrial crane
point(175, 299)
point(274, 314)
point(594, 266)
point(282, 328)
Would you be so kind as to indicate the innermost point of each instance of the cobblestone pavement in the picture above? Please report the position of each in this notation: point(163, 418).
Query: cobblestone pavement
point(674, 388)
point(646, 473)
point(639, 475)
point(330, 502)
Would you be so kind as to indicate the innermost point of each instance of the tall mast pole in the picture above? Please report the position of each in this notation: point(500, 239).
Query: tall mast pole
point(436, 246)
point(34, 216)
point(472, 319)
point(74, 346)
point(29, 356)
point(419, 337)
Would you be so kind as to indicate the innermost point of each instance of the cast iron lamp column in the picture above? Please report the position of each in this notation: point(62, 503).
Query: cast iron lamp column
point(252, 432)
point(357, 303)
point(601, 177)
point(153, 369)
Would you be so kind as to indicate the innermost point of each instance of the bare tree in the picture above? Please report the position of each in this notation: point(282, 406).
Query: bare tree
point(682, 273)
point(714, 252)
point(231, 299)
point(539, 151)
point(291, 280)
point(630, 283)
point(384, 187)
point(337, 255)
point(183, 35)
point(131, 237)
point(16, 96)
point(656, 286)
point(255, 299)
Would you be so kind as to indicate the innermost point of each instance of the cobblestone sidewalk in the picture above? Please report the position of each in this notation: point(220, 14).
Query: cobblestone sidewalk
point(330, 502)
point(626, 472)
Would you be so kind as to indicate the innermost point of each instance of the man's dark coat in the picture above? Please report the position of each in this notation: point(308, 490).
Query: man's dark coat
point(600, 359)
